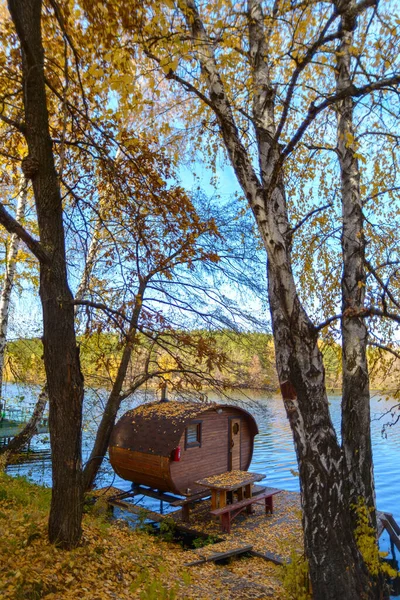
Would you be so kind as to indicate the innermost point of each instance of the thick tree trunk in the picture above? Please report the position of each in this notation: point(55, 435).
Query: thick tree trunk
point(25, 436)
point(61, 356)
point(8, 282)
point(356, 434)
point(337, 569)
point(107, 422)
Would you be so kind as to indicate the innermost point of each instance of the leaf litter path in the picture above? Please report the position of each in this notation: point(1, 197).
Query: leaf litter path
point(278, 534)
point(251, 577)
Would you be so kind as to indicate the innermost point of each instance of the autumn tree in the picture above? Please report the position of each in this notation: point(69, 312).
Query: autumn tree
point(92, 172)
point(147, 235)
point(261, 81)
point(356, 434)
point(64, 378)
point(154, 264)
point(8, 281)
point(13, 275)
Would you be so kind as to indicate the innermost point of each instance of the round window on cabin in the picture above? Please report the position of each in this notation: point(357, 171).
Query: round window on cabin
point(236, 428)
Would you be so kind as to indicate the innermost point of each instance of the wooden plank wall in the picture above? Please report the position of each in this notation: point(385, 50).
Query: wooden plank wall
point(212, 457)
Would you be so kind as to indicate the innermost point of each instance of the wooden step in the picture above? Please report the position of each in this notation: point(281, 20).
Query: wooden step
point(271, 557)
point(211, 553)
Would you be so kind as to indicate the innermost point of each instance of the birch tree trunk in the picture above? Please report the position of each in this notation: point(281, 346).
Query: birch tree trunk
point(356, 434)
point(11, 264)
point(337, 570)
point(90, 263)
point(61, 355)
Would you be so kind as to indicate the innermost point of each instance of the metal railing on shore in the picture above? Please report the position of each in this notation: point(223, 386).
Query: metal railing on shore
point(19, 415)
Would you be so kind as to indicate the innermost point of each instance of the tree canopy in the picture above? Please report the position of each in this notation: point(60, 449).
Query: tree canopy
point(105, 100)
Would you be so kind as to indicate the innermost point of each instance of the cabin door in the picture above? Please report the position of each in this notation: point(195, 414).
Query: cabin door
point(234, 444)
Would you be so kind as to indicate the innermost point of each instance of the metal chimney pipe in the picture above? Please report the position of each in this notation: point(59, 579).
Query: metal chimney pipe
point(164, 392)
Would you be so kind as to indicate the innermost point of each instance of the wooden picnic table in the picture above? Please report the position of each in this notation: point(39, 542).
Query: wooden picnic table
point(230, 482)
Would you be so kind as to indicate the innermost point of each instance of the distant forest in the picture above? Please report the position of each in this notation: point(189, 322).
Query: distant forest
point(250, 362)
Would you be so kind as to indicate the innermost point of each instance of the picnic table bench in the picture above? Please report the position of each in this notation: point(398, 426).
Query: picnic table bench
point(226, 484)
point(186, 503)
point(230, 511)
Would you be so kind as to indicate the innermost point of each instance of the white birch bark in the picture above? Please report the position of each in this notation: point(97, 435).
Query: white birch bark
point(356, 434)
point(329, 540)
point(89, 263)
point(8, 282)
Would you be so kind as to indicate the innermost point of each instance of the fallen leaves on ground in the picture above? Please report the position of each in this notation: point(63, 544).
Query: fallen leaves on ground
point(114, 562)
point(279, 533)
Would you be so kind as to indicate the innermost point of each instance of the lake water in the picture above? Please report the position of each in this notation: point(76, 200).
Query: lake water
point(273, 452)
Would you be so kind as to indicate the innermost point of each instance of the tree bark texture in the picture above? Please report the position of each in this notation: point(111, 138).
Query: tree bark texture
point(61, 356)
point(337, 570)
point(11, 264)
point(356, 434)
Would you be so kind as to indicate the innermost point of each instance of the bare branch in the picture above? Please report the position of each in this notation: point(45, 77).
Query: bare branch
point(13, 226)
point(323, 39)
point(19, 126)
point(186, 84)
point(385, 348)
point(372, 311)
point(328, 322)
point(308, 216)
point(384, 286)
point(351, 91)
point(101, 306)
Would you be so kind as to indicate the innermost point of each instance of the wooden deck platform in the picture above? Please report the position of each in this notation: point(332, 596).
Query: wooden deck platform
point(270, 537)
point(265, 543)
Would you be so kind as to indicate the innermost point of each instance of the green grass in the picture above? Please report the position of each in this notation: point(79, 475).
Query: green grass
point(23, 493)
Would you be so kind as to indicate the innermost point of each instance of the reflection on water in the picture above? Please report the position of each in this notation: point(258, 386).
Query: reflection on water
point(273, 453)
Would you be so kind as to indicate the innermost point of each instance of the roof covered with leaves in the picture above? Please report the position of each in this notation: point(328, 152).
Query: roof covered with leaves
point(157, 427)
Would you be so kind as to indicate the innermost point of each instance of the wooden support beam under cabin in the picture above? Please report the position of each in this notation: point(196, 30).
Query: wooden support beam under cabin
point(154, 516)
point(139, 489)
point(194, 498)
point(136, 510)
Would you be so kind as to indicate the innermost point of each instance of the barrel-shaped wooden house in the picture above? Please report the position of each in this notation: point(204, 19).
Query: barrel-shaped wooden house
point(170, 445)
